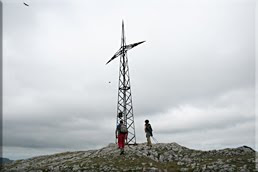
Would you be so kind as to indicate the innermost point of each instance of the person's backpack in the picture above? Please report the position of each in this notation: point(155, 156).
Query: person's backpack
point(123, 128)
point(149, 129)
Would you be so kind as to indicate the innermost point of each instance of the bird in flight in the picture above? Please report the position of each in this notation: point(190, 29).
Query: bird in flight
point(25, 4)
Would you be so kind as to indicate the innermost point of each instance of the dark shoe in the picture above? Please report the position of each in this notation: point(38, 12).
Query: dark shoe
point(122, 153)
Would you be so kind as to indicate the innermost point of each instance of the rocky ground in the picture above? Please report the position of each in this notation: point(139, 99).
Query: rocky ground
point(161, 157)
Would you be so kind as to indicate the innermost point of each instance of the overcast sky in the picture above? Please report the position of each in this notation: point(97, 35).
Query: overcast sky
point(193, 78)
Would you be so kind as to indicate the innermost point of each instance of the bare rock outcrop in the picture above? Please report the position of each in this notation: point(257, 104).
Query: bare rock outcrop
point(161, 157)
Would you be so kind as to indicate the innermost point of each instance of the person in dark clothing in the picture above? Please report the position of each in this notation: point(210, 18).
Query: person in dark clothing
point(121, 135)
point(148, 131)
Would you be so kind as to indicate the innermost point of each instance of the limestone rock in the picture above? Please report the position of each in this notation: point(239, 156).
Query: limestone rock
point(161, 157)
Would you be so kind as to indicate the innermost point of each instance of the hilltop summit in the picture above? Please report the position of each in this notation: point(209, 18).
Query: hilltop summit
point(161, 157)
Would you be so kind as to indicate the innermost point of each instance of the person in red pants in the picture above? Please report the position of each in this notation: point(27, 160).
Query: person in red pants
point(121, 135)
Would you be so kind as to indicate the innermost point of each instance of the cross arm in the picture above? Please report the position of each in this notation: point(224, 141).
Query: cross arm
point(126, 48)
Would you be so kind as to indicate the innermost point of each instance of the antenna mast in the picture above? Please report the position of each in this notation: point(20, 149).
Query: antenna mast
point(124, 104)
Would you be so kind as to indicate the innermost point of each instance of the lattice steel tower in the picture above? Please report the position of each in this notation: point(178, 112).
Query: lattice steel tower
point(124, 104)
